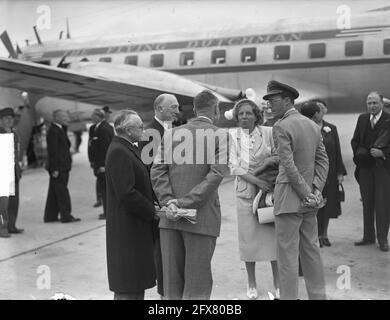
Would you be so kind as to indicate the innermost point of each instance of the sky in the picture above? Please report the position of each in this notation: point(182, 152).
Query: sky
point(120, 17)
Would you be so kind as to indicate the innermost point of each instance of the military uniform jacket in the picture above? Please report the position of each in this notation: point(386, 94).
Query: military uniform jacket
point(303, 161)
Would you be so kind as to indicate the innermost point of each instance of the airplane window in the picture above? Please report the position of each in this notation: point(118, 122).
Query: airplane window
point(133, 60)
point(105, 59)
point(187, 59)
point(317, 50)
point(156, 60)
point(218, 56)
point(282, 52)
point(386, 46)
point(354, 48)
point(248, 54)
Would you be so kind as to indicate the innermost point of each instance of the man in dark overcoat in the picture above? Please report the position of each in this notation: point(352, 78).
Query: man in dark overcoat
point(130, 213)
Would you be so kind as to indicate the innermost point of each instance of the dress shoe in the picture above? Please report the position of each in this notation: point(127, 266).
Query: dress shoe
point(15, 230)
point(70, 219)
point(98, 204)
point(383, 246)
point(364, 242)
point(48, 221)
point(102, 216)
point(326, 242)
point(251, 293)
point(321, 242)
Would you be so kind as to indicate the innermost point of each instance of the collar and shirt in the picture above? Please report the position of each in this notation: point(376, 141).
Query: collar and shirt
point(58, 125)
point(206, 118)
point(164, 124)
point(98, 124)
point(375, 118)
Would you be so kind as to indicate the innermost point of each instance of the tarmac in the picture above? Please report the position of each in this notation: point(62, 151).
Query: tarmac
point(71, 258)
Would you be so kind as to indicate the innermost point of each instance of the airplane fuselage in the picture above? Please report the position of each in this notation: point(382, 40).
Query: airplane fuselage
point(339, 66)
point(322, 61)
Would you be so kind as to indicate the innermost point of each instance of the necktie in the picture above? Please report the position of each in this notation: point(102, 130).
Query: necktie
point(373, 122)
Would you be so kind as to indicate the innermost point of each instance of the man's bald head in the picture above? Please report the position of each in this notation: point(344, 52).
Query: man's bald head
point(166, 107)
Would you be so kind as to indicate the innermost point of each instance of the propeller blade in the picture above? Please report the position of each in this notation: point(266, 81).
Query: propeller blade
point(8, 44)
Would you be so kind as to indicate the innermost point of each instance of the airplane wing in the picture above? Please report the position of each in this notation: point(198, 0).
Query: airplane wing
point(119, 86)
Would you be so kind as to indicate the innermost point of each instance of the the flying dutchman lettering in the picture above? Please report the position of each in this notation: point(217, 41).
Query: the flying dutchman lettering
point(204, 43)
point(245, 40)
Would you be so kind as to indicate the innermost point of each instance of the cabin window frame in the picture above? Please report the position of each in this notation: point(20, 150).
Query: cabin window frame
point(127, 58)
point(281, 47)
point(185, 57)
point(246, 52)
point(214, 56)
point(105, 59)
point(386, 46)
point(352, 50)
point(156, 56)
point(318, 47)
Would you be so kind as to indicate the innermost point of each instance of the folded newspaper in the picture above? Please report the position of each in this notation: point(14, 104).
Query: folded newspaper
point(189, 214)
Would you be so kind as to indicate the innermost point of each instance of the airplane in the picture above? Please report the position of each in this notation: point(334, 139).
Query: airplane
point(337, 65)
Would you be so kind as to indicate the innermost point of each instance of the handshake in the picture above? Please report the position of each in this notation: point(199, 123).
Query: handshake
point(172, 212)
point(314, 200)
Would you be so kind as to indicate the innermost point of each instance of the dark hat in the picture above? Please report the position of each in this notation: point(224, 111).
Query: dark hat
point(106, 109)
point(275, 87)
point(7, 112)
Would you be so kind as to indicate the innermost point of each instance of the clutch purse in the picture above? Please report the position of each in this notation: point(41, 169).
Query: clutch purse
point(263, 207)
point(340, 193)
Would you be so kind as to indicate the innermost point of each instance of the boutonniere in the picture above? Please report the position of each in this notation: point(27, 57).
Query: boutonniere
point(327, 129)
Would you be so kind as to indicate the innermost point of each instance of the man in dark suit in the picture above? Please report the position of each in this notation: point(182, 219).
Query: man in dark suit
point(130, 212)
point(7, 116)
point(166, 110)
point(101, 137)
point(373, 171)
point(59, 163)
point(302, 175)
point(99, 200)
point(187, 249)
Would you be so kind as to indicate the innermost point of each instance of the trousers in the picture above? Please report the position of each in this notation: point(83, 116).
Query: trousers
point(297, 236)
